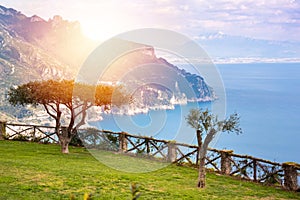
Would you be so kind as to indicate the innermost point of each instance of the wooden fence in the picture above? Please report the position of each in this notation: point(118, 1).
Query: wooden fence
point(222, 161)
point(35, 133)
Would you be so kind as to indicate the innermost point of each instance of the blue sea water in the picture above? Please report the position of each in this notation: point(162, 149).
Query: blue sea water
point(266, 96)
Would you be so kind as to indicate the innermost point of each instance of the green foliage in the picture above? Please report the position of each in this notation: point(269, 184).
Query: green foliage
point(204, 121)
point(272, 176)
point(66, 92)
point(111, 95)
point(21, 138)
point(25, 137)
point(232, 124)
point(113, 139)
point(94, 139)
point(5, 136)
point(193, 119)
point(42, 92)
point(76, 141)
point(45, 141)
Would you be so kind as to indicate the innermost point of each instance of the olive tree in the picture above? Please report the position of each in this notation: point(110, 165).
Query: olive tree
point(207, 126)
point(76, 98)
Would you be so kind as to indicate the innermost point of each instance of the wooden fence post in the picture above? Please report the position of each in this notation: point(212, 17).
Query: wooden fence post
point(290, 175)
point(147, 146)
point(2, 130)
point(226, 161)
point(122, 142)
point(33, 134)
point(254, 170)
point(172, 153)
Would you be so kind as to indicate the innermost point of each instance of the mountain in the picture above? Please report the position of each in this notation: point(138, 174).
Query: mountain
point(230, 48)
point(154, 82)
point(58, 38)
point(32, 48)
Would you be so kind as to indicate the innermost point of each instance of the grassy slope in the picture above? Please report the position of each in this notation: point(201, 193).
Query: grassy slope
point(35, 171)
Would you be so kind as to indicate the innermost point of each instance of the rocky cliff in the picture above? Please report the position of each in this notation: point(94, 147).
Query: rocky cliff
point(32, 48)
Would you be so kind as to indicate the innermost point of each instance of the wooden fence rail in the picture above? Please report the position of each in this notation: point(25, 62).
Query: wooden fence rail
point(36, 133)
point(222, 161)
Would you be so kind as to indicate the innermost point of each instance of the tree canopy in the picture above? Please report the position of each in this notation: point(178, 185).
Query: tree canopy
point(55, 95)
point(204, 120)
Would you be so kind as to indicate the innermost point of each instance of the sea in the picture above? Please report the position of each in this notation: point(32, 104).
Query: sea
point(265, 95)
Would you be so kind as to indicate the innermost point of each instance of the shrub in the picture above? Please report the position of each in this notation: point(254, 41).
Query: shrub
point(21, 138)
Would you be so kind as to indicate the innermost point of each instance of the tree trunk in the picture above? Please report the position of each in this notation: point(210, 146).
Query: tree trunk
point(199, 140)
point(202, 174)
point(203, 151)
point(64, 143)
point(64, 139)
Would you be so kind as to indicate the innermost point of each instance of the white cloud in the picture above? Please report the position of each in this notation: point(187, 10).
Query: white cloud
point(259, 19)
point(273, 20)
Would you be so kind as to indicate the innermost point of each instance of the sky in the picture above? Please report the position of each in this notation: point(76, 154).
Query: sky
point(277, 20)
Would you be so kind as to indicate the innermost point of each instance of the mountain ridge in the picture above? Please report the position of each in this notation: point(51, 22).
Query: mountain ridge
point(32, 48)
point(221, 46)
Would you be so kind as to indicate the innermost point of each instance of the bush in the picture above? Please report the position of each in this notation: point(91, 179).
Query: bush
point(21, 138)
point(76, 141)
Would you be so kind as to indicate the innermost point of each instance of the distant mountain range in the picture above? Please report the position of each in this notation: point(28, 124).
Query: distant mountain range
point(227, 48)
point(32, 48)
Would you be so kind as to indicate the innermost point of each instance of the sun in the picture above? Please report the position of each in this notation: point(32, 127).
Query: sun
point(96, 31)
point(101, 21)
point(102, 30)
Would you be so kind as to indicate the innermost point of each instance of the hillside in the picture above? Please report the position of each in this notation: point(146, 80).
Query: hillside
point(62, 40)
point(37, 171)
point(153, 81)
point(32, 48)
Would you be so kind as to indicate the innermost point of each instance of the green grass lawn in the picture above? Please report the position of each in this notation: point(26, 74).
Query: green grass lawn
point(37, 171)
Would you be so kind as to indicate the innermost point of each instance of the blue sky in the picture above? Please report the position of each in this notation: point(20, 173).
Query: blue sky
point(271, 20)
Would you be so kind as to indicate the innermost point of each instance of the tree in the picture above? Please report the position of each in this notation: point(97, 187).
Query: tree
point(208, 125)
point(68, 98)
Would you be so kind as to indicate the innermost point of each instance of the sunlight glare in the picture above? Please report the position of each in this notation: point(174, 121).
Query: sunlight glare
point(101, 28)
point(97, 31)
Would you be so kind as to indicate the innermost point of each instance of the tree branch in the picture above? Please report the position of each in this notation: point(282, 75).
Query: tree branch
point(47, 110)
point(51, 106)
point(83, 110)
point(82, 121)
point(72, 121)
point(78, 106)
